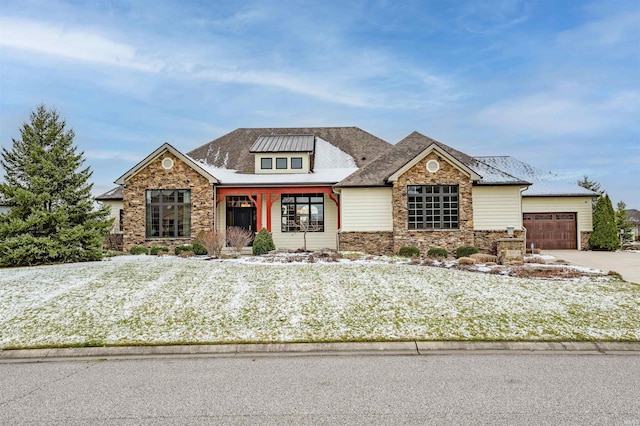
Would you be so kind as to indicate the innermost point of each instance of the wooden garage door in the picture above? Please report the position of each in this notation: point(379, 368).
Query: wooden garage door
point(551, 231)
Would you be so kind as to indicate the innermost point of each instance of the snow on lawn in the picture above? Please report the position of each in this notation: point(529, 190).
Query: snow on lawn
point(153, 300)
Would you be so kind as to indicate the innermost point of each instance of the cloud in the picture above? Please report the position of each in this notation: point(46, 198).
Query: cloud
point(75, 44)
point(108, 155)
point(490, 17)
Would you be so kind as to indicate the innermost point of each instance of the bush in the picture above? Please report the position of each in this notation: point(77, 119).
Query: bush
point(438, 252)
point(484, 258)
point(409, 251)
point(263, 243)
point(156, 250)
point(213, 241)
point(183, 247)
point(136, 250)
point(239, 238)
point(466, 251)
point(199, 249)
point(466, 261)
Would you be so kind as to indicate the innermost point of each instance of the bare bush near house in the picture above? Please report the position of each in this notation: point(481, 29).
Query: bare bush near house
point(238, 238)
point(466, 261)
point(213, 241)
point(484, 258)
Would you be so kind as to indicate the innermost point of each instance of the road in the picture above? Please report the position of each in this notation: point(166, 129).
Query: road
point(439, 389)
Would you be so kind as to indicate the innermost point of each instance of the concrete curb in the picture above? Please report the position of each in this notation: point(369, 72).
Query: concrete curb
point(339, 348)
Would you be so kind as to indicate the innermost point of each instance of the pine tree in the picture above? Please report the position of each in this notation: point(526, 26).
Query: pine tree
point(590, 185)
point(52, 217)
point(605, 231)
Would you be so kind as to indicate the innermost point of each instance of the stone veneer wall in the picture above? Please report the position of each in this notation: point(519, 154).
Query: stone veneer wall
point(486, 241)
point(584, 240)
point(154, 176)
point(368, 242)
point(426, 239)
point(511, 251)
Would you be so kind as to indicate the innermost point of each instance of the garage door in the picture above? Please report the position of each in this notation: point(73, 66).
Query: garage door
point(551, 231)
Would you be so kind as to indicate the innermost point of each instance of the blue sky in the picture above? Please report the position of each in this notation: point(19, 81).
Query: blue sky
point(555, 84)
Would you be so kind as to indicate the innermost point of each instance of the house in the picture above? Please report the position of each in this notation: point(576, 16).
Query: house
point(634, 219)
point(346, 189)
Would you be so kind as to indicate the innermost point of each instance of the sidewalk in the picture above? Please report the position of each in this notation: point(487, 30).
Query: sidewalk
point(324, 349)
point(626, 264)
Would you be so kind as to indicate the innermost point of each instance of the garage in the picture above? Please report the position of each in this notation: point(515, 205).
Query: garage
point(551, 231)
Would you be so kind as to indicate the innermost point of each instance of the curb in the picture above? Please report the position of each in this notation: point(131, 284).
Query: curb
point(423, 348)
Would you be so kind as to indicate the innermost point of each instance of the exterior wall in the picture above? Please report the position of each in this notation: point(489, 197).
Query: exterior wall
point(315, 240)
point(496, 207)
point(306, 163)
point(114, 212)
point(580, 205)
point(366, 209)
point(510, 251)
point(486, 241)
point(426, 239)
point(154, 176)
point(368, 242)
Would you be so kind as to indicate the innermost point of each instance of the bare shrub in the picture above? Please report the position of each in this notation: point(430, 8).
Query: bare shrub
point(186, 254)
point(538, 272)
point(428, 262)
point(466, 261)
point(535, 259)
point(484, 258)
point(238, 238)
point(490, 263)
point(213, 241)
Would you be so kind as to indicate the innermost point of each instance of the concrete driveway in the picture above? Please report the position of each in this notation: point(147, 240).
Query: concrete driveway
point(625, 263)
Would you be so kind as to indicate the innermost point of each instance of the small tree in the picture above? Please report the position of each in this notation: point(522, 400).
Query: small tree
point(238, 238)
point(605, 231)
point(623, 223)
point(53, 217)
point(305, 224)
point(263, 243)
point(213, 241)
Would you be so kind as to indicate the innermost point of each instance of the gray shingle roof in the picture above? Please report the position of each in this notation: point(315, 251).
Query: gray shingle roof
point(233, 150)
point(283, 143)
point(378, 171)
point(116, 193)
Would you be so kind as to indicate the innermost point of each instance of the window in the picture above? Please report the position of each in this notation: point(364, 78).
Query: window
point(265, 163)
point(302, 212)
point(168, 213)
point(281, 163)
point(433, 207)
point(121, 220)
point(296, 163)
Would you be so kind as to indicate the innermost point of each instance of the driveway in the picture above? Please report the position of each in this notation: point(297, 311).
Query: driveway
point(625, 263)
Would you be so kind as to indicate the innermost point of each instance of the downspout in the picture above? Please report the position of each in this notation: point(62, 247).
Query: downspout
point(337, 191)
point(215, 206)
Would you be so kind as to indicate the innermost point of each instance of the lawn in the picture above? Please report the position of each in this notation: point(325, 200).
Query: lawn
point(167, 300)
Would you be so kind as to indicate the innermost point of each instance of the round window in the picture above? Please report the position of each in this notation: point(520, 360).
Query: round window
point(167, 163)
point(433, 166)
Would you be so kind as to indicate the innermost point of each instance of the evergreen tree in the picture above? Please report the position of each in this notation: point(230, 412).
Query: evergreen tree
point(52, 217)
point(623, 223)
point(605, 231)
point(590, 185)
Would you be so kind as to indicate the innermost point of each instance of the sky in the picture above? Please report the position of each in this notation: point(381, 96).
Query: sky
point(553, 83)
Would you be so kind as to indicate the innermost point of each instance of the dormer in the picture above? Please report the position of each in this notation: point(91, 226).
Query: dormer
point(283, 153)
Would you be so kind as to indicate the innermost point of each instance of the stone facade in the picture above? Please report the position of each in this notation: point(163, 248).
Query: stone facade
point(486, 241)
point(368, 242)
point(426, 239)
point(584, 240)
point(510, 251)
point(154, 176)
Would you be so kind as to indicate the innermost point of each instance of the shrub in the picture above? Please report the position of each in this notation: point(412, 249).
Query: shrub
point(156, 250)
point(199, 249)
point(238, 238)
point(466, 261)
point(465, 251)
point(438, 252)
point(484, 258)
point(181, 248)
point(263, 243)
point(409, 251)
point(213, 241)
point(186, 253)
point(136, 250)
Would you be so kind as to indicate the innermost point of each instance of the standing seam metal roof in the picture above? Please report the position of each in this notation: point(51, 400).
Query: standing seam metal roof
point(283, 143)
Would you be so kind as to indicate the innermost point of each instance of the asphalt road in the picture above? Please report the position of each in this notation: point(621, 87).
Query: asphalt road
point(441, 389)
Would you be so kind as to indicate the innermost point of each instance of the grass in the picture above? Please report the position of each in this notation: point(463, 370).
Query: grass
point(167, 300)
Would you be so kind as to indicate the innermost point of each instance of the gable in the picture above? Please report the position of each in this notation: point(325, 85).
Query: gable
point(430, 159)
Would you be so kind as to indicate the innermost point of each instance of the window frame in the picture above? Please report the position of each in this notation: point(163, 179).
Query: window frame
point(178, 226)
point(279, 160)
point(291, 206)
point(433, 207)
point(263, 162)
point(296, 159)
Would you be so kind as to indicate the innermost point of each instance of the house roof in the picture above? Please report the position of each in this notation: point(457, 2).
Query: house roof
point(543, 183)
point(283, 143)
point(233, 150)
point(116, 193)
point(156, 154)
point(404, 152)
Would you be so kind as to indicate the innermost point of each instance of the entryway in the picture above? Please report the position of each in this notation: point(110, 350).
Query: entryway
point(241, 213)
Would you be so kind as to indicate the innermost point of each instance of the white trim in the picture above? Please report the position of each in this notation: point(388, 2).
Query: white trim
point(442, 153)
point(166, 147)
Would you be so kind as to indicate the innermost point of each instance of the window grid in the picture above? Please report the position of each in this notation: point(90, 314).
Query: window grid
point(302, 212)
point(433, 207)
point(168, 213)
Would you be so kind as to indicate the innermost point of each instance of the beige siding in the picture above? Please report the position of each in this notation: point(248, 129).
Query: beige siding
point(366, 209)
point(114, 212)
point(315, 240)
point(496, 207)
point(305, 163)
point(579, 205)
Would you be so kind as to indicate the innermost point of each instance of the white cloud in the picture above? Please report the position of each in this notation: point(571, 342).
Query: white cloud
point(108, 155)
point(74, 44)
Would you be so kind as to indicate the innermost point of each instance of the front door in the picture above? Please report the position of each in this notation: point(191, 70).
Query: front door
point(243, 217)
